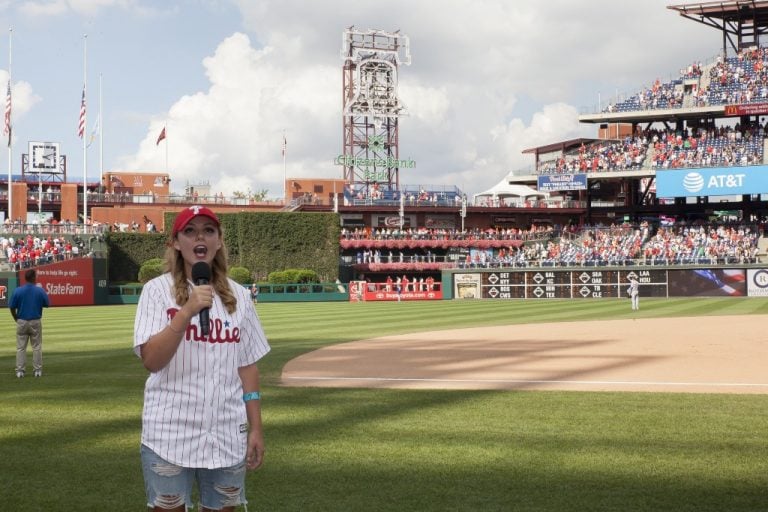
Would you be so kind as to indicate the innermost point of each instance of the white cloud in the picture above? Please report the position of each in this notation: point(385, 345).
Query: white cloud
point(488, 79)
point(22, 96)
point(231, 134)
point(37, 9)
point(554, 123)
point(23, 99)
point(56, 8)
point(430, 104)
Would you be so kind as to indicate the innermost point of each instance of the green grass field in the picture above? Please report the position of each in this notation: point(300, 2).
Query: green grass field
point(70, 440)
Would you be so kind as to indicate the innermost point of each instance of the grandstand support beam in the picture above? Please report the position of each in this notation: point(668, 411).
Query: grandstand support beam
point(372, 108)
point(742, 22)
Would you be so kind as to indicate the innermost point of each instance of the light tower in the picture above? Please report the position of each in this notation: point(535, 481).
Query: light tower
point(371, 108)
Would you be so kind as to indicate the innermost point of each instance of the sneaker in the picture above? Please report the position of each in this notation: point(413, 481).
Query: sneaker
point(19, 375)
point(38, 373)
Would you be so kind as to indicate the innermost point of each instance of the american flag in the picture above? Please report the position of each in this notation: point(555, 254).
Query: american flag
point(160, 137)
point(7, 127)
point(81, 125)
point(285, 145)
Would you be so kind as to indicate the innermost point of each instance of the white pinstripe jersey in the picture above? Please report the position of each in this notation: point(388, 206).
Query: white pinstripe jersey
point(194, 415)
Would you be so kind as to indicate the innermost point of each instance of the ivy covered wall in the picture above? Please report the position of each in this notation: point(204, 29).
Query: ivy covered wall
point(262, 242)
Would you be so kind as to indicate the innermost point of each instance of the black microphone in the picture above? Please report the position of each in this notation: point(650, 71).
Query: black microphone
point(201, 274)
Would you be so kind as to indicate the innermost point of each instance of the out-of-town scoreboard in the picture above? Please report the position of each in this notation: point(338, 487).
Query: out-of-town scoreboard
point(558, 284)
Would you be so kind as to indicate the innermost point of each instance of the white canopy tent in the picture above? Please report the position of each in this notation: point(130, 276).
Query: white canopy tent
point(504, 189)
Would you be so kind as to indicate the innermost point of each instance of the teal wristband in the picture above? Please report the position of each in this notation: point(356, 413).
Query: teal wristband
point(253, 395)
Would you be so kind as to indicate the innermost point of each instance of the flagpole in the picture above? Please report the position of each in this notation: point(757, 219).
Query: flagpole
point(39, 197)
point(285, 178)
point(85, 123)
point(10, 146)
point(100, 123)
point(166, 146)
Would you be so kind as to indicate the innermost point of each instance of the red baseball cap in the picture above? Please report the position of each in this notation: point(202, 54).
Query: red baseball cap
point(187, 214)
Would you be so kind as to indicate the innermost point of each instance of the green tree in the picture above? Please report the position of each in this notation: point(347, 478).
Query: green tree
point(240, 274)
point(150, 269)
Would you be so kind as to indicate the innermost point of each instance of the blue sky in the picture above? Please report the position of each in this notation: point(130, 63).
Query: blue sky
point(488, 79)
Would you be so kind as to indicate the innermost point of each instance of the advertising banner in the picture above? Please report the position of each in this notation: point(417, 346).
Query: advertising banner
point(352, 220)
point(467, 286)
point(69, 282)
point(393, 221)
point(719, 282)
point(382, 293)
point(746, 109)
point(716, 181)
point(356, 291)
point(757, 282)
point(4, 296)
point(362, 291)
point(558, 182)
point(439, 221)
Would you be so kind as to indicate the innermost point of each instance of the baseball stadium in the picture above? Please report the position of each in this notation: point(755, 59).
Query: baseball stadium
point(434, 350)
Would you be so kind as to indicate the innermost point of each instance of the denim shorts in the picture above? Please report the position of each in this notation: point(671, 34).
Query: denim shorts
point(169, 485)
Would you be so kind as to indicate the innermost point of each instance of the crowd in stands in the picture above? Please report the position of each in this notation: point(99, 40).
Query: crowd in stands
point(694, 70)
point(67, 227)
point(739, 79)
point(29, 251)
point(662, 95)
point(715, 147)
point(52, 227)
point(717, 244)
point(376, 256)
point(722, 146)
point(742, 78)
point(615, 245)
point(601, 157)
point(420, 196)
point(623, 245)
point(587, 246)
point(424, 233)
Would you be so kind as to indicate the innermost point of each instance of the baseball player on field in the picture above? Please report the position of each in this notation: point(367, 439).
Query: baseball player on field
point(634, 291)
point(201, 423)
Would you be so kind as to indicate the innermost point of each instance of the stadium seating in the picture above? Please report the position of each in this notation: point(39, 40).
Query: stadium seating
point(602, 156)
point(664, 149)
point(742, 78)
point(410, 195)
point(589, 247)
point(723, 147)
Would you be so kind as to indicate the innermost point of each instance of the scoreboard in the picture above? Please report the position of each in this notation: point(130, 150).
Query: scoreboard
point(568, 284)
point(596, 284)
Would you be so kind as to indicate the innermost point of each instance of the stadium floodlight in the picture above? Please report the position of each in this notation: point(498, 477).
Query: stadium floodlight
point(372, 108)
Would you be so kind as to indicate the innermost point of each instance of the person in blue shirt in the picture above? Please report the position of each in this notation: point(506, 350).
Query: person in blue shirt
point(27, 303)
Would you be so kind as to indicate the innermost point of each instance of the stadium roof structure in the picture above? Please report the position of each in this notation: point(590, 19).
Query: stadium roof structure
point(506, 189)
point(652, 116)
point(746, 20)
point(560, 146)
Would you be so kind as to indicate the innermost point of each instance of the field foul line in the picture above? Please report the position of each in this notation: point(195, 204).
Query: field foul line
point(508, 381)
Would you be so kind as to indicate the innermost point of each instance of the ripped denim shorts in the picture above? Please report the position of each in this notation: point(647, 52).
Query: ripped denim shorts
point(169, 485)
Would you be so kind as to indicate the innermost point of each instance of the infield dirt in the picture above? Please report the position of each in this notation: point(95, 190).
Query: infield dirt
point(725, 354)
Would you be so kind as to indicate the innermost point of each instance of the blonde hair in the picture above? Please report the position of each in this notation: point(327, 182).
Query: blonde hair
point(175, 265)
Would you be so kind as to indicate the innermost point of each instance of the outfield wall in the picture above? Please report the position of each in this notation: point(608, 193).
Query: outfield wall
point(604, 282)
point(83, 282)
point(298, 292)
point(75, 282)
